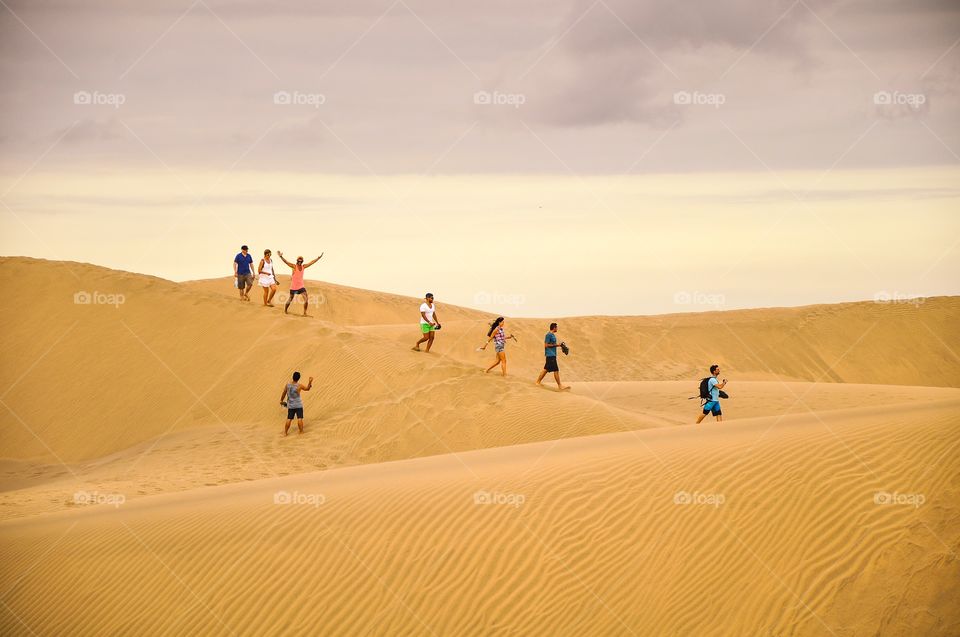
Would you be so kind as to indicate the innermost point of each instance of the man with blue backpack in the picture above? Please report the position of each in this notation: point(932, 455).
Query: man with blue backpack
point(710, 392)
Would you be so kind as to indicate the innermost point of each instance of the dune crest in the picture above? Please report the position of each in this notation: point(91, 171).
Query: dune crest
point(145, 487)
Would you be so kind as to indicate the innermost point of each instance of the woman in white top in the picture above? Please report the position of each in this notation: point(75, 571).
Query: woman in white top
point(268, 280)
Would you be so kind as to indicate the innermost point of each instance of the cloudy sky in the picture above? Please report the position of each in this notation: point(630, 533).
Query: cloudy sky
point(398, 131)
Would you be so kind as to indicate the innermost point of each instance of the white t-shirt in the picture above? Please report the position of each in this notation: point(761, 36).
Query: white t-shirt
point(426, 309)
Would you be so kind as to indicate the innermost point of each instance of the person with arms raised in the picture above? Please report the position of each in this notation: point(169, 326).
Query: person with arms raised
point(296, 281)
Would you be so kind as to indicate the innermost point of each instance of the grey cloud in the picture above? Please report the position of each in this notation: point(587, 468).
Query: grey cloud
point(400, 98)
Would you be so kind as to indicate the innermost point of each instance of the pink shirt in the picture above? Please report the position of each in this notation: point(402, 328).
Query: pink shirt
point(296, 279)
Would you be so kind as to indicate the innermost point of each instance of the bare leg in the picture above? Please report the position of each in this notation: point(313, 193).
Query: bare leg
point(289, 301)
point(300, 425)
point(503, 363)
point(265, 292)
point(286, 427)
point(560, 386)
point(306, 304)
point(429, 341)
point(700, 419)
point(249, 287)
point(495, 363)
point(416, 347)
point(540, 377)
point(273, 291)
point(720, 418)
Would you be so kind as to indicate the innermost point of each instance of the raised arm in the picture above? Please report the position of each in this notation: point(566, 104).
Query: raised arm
point(282, 258)
point(312, 262)
point(308, 385)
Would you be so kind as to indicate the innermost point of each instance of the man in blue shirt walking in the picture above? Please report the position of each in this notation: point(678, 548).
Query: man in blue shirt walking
point(712, 406)
point(550, 349)
point(243, 271)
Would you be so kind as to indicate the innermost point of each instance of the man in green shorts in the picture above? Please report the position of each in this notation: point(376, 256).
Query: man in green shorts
point(429, 322)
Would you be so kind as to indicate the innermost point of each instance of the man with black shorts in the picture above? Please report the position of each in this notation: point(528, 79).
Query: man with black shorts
point(290, 398)
point(550, 349)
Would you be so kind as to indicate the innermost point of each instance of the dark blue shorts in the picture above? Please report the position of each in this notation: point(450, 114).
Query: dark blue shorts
point(713, 407)
point(295, 412)
point(551, 364)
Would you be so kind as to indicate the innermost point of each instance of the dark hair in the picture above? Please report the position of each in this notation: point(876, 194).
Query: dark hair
point(494, 325)
point(713, 369)
point(296, 376)
point(553, 325)
point(266, 251)
point(244, 248)
point(428, 295)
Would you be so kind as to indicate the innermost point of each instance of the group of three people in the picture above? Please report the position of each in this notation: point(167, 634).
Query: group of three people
point(267, 278)
point(430, 323)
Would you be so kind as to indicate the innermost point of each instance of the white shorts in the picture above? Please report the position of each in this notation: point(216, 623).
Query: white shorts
point(266, 280)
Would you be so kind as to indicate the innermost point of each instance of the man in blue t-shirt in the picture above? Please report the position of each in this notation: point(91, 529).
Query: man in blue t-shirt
point(712, 406)
point(243, 271)
point(550, 349)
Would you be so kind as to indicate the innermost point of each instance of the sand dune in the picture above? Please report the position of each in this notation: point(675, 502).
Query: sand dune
point(667, 531)
point(218, 454)
point(85, 381)
point(168, 398)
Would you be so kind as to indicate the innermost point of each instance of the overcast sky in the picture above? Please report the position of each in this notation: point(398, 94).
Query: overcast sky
point(147, 109)
point(596, 79)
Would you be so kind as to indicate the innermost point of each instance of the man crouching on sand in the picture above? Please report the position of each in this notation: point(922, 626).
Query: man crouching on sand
point(290, 398)
point(550, 349)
